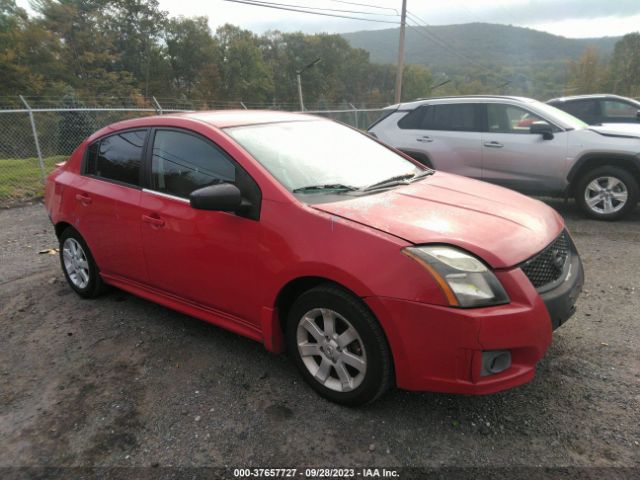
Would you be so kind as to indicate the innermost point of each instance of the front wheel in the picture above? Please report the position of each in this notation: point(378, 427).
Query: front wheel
point(607, 193)
point(338, 346)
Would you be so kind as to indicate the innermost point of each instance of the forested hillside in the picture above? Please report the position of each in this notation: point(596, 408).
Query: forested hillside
point(106, 52)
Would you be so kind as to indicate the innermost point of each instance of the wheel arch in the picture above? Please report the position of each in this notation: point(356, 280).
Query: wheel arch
point(421, 157)
point(61, 227)
point(589, 161)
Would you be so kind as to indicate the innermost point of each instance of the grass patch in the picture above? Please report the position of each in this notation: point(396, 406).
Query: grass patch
point(20, 178)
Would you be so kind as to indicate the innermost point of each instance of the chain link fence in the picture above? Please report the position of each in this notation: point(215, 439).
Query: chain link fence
point(33, 140)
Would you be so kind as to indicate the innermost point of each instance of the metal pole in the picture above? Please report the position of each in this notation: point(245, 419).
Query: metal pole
point(158, 106)
point(243, 105)
point(355, 114)
point(300, 92)
point(399, 72)
point(35, 138)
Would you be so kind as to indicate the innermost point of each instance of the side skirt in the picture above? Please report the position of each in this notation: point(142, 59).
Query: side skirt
point(215, 317)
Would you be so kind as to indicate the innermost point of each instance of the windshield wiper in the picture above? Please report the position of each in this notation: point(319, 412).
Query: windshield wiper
point(403, 179)
point(319, 188)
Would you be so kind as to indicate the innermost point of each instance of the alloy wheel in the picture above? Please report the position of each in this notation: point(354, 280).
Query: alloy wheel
point(606, 195)
point(75, 263)
point(331, 349)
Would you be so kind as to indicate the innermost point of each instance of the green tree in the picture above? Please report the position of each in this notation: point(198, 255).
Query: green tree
point(625, 65)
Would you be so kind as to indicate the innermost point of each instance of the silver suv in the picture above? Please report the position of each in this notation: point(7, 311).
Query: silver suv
point(522, 144)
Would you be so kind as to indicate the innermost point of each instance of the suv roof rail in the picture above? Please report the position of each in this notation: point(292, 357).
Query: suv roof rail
point(511, 97)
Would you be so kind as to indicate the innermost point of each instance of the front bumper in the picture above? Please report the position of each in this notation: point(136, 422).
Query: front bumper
point(561, 300)
point(437, 348)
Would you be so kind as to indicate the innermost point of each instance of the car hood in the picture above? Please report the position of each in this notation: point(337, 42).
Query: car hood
point(618, 129)
point(500, 226)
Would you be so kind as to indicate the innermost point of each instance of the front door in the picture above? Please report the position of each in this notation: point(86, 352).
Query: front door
point(515, 158)
point(207, 257)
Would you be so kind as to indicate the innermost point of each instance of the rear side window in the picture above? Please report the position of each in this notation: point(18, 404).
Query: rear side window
point(117, 157)
point(616, 109)
point(584, 109)
point(183, 162)
point(460, 117)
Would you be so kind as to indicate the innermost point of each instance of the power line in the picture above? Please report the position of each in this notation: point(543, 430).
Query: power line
point(274, 6)
point(264, 2)
point(366, 5)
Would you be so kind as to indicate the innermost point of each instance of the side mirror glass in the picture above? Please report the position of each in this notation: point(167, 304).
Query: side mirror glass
point(224, 197)
point(542, 128)
point(638, 114)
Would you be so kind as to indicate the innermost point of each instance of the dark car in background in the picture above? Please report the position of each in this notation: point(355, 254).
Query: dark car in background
point(601, 108)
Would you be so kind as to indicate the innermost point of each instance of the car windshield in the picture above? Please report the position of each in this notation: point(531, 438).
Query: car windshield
point(316, 156)
point(566, 119)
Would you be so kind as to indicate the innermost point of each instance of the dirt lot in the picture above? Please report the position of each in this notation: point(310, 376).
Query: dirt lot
point(120, 381)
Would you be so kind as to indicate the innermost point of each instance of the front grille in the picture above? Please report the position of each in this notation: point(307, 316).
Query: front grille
point(547, 266)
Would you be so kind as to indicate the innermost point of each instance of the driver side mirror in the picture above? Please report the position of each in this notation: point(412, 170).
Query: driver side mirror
point(638, 114)
point(223, 197)
point(542, 128)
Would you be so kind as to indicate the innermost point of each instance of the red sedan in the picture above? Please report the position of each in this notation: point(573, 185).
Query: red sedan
point(311, 237)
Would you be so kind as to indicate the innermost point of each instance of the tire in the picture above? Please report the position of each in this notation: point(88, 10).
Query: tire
point(78, 265)
point(353, 367)
point(614, 187)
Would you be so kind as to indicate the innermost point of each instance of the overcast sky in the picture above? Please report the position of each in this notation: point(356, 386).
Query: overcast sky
point(569, 18)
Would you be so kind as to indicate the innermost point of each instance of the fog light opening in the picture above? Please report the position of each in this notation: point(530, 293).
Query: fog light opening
point(495, 361)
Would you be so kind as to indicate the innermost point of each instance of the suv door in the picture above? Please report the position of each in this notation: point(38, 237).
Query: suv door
point(514, 157)
point(108, 197)
point(447, 134)
point(207, 257)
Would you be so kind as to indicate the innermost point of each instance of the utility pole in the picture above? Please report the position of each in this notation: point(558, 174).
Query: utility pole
point(298, 74)
point(403, 22)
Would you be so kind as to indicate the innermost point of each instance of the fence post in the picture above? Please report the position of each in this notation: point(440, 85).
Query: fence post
point(35, 138)
point(355, 113)
point(243, 105)
point(158, 106)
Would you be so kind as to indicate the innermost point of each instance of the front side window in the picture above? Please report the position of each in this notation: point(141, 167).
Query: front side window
point(117, 157)
point(183, 162)
point(616, 109)
point(509, 119)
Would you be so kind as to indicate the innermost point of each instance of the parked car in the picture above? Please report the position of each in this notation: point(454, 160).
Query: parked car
point(369, 268)
point(599, 109)
point(521, 144)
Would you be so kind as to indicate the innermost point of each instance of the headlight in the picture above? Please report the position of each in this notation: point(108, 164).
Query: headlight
point(464, 279)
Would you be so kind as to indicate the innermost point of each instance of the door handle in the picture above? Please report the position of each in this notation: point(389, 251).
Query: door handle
point(83, 198)
point(424, 139)
point(154, 220)
point(493, 144)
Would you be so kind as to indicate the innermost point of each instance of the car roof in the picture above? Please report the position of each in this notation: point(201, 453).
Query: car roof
point(218, 118)
point(587, 97)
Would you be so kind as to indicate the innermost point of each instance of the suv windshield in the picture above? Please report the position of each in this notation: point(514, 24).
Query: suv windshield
point(321, 156)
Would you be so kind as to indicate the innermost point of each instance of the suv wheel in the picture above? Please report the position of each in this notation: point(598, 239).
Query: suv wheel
point(607, 193)
point(338, 346)
point(78, 265)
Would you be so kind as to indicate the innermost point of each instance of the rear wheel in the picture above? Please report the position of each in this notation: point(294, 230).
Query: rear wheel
point(607, 193)
point(78, 265)
point(338, 346)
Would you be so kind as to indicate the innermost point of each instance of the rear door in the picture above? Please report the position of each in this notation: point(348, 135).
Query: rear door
point(515, 158)
point(587, 110)
point(448, 135)
point(107, 195)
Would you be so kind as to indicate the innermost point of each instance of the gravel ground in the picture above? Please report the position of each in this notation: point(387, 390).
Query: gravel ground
point(120, 381)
